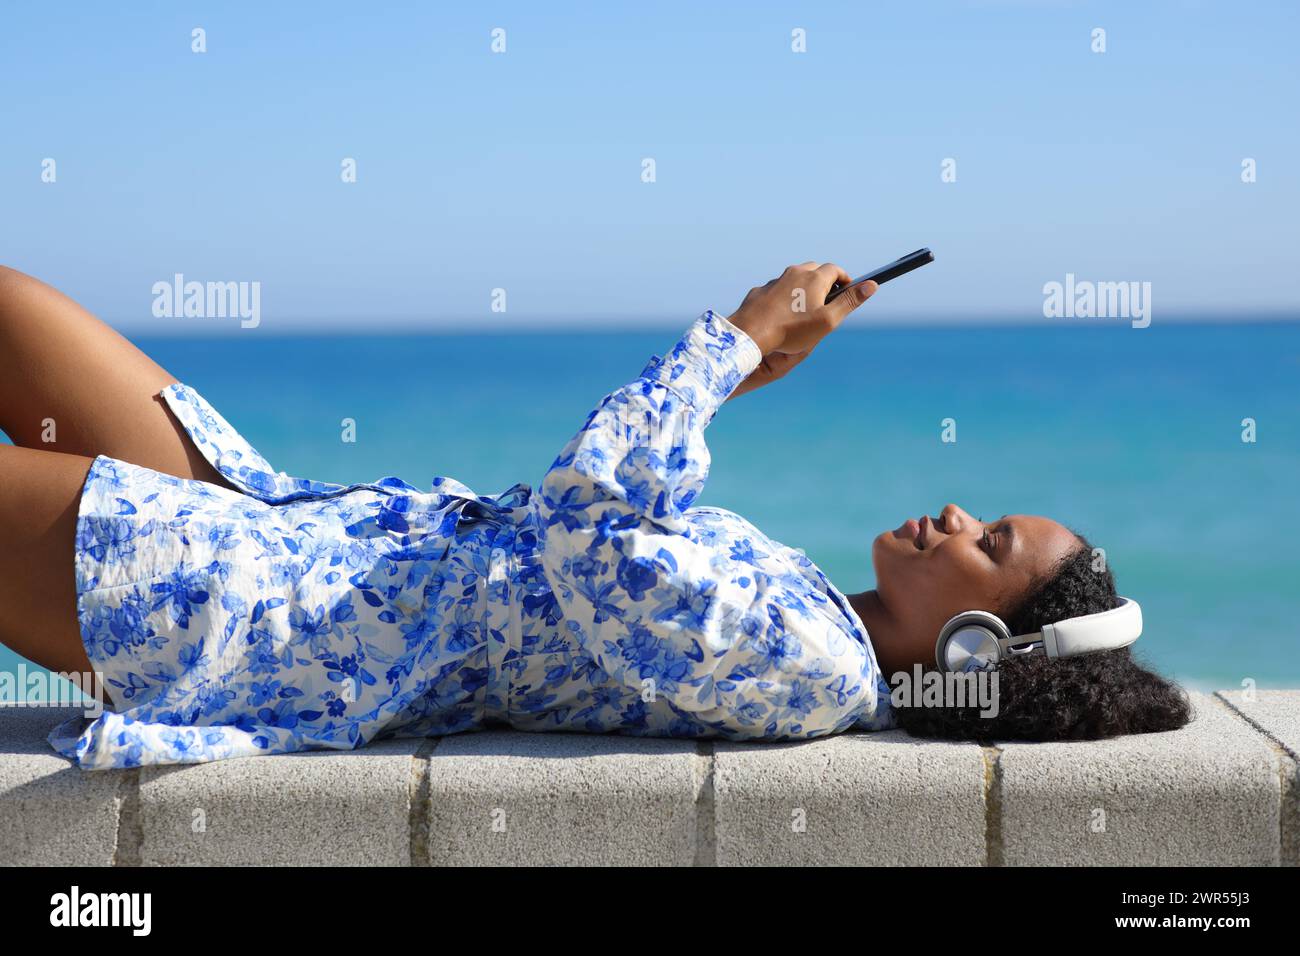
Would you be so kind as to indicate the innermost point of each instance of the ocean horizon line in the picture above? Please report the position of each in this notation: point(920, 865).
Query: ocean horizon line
point(203, 328)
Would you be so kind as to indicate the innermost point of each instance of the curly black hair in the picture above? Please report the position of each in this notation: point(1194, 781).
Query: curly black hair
point(1087, 697)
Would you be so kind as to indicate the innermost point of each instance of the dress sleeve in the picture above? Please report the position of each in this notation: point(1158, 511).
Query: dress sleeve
point(728, 640)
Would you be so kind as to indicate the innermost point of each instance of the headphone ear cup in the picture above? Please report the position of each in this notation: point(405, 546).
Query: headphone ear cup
point(971, 640)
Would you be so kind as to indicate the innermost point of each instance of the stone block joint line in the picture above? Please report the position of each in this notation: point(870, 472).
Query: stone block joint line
point(130, 827)
point(706, 836)
point(993, 855)
point(421, 785)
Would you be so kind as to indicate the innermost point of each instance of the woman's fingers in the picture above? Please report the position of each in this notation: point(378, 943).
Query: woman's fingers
point(833, 273)
point(827, 276)
point(846, 302)
point(789, 314)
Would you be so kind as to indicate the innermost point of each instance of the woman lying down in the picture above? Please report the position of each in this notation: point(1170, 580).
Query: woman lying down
point(230, 610)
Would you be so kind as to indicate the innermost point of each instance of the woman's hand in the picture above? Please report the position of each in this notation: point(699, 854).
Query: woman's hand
point(788, 316)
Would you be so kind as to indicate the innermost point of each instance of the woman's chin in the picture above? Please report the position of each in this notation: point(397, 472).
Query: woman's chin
point(885, 551)
point(897, 542)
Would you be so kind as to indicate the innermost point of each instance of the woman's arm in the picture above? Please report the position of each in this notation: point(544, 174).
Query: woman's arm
point(663, 612)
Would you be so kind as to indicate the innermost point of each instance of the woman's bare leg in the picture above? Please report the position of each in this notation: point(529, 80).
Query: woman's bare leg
point(59, 364)
point(39, 494)
point(65, 373)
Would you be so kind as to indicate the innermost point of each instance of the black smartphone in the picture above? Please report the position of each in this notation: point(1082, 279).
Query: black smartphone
point(913, 260)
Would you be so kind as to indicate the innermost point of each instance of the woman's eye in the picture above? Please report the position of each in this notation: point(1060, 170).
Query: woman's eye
point(985, 542)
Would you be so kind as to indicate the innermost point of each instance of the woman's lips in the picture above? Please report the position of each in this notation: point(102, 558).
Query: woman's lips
point(910, 530)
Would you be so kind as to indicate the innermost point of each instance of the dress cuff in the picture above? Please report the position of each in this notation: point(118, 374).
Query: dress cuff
point(707, 363)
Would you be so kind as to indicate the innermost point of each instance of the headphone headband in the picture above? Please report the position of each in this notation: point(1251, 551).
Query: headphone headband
point(1105, 631)
point(976, 640)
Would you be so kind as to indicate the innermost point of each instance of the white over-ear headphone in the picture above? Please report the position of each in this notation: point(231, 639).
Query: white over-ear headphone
point(978, 640)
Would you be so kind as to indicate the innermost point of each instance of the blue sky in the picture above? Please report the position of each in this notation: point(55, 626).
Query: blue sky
point(522, 170)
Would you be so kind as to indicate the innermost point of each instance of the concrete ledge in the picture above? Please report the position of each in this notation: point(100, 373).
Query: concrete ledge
point(507, 798)
point(350, 808)
point(877, 799)
point(1276, 714)
point(1208, 794)
point(50, 812)
point(1221, 791)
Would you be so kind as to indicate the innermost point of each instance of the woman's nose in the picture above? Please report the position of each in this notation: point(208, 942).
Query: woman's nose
point(953, 518)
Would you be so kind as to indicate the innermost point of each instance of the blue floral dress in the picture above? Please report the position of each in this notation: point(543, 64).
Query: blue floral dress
point(291, 614)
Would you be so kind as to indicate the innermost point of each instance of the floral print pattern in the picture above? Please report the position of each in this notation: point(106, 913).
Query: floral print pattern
point(292, 614)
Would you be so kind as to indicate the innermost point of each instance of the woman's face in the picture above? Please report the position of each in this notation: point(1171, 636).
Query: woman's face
point(930, 569)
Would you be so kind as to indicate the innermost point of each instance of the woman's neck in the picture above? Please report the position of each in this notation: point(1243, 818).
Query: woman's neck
point(881, 631)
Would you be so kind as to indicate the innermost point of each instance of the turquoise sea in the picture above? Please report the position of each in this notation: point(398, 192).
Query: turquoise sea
point(1132, 436)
